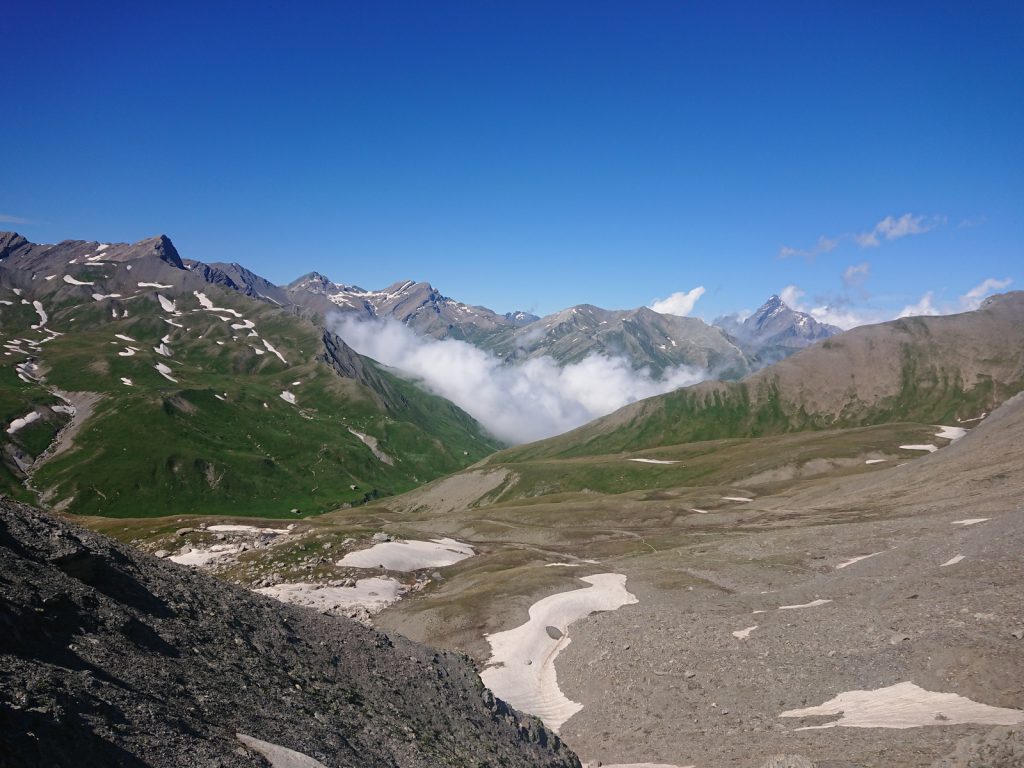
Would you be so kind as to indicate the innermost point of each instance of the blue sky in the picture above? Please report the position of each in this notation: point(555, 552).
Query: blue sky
point(536, 155)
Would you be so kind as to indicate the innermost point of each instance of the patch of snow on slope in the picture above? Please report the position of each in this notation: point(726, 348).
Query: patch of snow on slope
point(409, 555)
point(164, 371)
point(22, 422)
point(271, 350)
point(521, 669)
point(71, 281)
point(905, 705)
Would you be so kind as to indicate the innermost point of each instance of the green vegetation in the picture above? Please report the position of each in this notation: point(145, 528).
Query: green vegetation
point(220, 439)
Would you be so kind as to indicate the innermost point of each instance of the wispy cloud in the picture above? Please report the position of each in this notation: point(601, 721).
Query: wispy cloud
point(679, 303)
point(8, 219)
point(889, 228)
point(973, 298)
point(855, 274)
point(972, 221)
point(824, 245)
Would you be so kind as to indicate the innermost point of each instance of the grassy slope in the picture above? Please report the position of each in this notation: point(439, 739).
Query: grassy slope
point(158, 448)
point(915, 370)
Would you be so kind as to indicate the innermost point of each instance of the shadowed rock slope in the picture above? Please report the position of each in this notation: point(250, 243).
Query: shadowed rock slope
point(109, 657)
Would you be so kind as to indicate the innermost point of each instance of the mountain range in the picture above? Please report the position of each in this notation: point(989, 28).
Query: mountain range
point(816, 558)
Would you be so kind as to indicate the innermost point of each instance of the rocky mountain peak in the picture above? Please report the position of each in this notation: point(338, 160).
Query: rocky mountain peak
point(11, 242)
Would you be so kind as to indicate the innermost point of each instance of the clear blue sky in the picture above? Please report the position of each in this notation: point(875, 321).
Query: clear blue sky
point(534, 154)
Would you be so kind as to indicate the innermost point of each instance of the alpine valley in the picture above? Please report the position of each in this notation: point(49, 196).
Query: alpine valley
point(812, 556)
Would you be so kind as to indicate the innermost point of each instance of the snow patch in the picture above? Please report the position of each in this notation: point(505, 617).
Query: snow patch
point(71, 281)
point(372, 595)
point(164, 371)
point(155, 285)
point(23, 422)
point(521, 669)
point(923, 447)
point(166, 304)
point(812, 604)
point(654, 461)
point(743, 634)
point(971, 521)
point(905, 705)
point(288, 397)
point(952, 561)
point(853, 560)
point(271, 350)
point(409, 555)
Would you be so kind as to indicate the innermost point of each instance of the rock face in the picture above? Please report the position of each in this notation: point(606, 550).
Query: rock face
point(110, 657)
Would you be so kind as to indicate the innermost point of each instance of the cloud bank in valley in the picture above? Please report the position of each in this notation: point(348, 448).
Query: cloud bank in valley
point(517, 403)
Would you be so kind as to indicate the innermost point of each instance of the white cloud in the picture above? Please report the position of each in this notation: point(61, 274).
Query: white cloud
point(925, 306)
point(517, 403)
point(889, 228)
point(792, 295)
point(824, 245)
point(679, 303)
point(973, 298)
point(855, 274)
point(7, 219)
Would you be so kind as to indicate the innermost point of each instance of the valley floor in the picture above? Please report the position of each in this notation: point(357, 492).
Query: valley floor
point(800, 570)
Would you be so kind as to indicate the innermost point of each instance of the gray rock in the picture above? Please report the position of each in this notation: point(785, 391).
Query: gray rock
point(161, 553)
point(553, 632)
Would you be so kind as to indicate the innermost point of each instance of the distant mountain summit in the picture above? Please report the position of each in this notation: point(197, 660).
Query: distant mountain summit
point(415, 304)
point(645, 337)
point(776, 330)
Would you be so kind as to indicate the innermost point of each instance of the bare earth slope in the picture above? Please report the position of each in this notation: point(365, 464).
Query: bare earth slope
point(110, 657)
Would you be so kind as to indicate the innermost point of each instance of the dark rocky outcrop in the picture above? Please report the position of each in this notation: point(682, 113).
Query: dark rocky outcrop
point(110, 657)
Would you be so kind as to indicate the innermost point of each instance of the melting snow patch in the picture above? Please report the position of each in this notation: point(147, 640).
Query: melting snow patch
point(654, 461)
point(971, 521)
point(952, 561)
point(875, 461)
point(273, 351)
point(166, 304)
point(128, 352)
point(166, 320)
point(372, 595)
point(905, 705)
point(122, 337)
point(164, 371)
point(208, 305)
point(163, 349)
point(853, 560)
point(374, 446)
point(812, 604)
point(409, 555)
point(700, 511)
point(521, 669)
point(203, 557)
point(950, 433)
point(246, 529)
point(243, 325)
point(24, 421)
point(41, 312)
point(155, 285)
point(743, 634)
point(126, 381)
point(71, 281)
point(735, 498)
point(102, 296)
point(278, 756)
point(288, 397)
point(929, 447)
